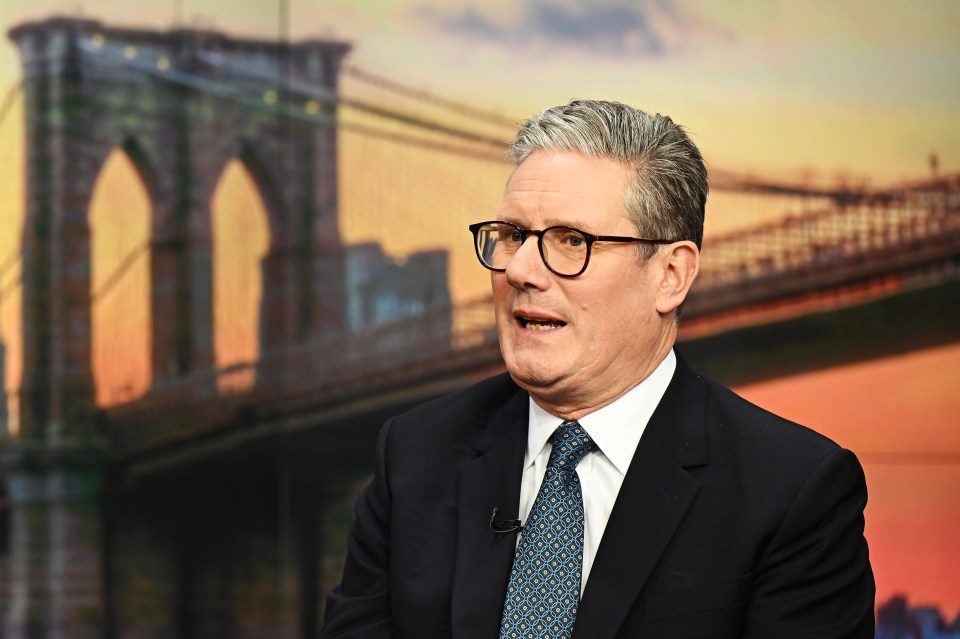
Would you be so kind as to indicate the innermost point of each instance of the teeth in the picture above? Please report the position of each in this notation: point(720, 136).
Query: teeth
point(540, 325)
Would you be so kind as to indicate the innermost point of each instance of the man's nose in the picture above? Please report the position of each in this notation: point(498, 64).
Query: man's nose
point(527, 269)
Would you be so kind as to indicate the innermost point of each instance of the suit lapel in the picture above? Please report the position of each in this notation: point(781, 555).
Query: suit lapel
point(484, 558)
point(653, 500)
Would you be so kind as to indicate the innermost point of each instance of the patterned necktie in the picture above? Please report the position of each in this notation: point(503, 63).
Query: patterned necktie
point(544, 589)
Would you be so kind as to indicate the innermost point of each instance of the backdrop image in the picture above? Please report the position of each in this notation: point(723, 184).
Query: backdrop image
point(233, 242)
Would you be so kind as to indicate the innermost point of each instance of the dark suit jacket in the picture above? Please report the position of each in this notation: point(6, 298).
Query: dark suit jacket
point(731, 522)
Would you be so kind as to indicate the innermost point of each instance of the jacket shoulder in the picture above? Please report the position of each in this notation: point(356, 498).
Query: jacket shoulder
point(761, 431)
point(450, 414)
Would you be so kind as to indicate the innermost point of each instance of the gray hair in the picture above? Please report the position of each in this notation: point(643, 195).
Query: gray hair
point(667, 196)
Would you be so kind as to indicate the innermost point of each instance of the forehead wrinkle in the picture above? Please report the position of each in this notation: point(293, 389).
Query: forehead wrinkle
point(537, 201)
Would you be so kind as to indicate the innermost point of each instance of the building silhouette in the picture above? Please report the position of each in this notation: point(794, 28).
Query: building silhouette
point(896, 619)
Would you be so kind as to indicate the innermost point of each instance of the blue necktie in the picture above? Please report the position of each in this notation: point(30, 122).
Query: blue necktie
point(544, 589)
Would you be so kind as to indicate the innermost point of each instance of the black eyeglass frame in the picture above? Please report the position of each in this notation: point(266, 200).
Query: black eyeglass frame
point(525, 233)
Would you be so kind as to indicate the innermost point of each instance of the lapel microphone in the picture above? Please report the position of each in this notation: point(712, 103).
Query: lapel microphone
point(501, 526)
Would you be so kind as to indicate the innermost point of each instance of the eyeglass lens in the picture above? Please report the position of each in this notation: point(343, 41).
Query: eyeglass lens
point(564, 250)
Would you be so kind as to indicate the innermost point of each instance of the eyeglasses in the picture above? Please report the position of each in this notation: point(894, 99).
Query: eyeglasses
point(564, 249)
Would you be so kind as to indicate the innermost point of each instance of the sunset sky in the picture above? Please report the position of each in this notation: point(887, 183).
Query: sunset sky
point(863, 88)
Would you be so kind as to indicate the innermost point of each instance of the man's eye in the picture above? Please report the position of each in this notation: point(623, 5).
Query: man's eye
point(514, 236)
point(571, 240)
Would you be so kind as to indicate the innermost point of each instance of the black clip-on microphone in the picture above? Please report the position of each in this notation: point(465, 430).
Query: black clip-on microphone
point(501, 526)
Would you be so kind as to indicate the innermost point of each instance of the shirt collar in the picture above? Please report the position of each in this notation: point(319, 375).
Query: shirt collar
point(615, 428)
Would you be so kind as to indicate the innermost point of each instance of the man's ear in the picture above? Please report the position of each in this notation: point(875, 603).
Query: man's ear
point(679, 264)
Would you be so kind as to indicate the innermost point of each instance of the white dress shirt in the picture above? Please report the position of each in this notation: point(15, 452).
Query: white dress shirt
point(616, 429)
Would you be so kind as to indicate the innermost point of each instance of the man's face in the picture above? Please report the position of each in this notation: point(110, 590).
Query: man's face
point(575, 343)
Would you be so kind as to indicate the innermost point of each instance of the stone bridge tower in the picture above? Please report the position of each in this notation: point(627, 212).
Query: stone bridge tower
point(181, 104)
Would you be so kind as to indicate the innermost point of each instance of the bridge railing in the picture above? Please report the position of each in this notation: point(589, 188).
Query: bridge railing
point(881, 232)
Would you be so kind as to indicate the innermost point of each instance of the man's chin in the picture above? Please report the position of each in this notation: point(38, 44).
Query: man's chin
point(535, 380)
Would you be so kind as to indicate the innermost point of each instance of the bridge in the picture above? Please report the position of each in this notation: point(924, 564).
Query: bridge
point(160, 481)
point(871, 244)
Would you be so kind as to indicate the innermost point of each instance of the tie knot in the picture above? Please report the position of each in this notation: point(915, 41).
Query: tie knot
point(571, 443)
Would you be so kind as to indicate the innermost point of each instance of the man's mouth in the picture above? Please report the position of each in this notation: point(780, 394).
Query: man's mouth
point(538, 324)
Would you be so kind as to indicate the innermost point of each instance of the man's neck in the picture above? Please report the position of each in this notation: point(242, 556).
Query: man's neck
point(573, 407)
point(570, 406)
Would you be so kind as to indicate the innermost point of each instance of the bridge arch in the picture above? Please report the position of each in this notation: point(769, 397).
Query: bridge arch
point(120, 219)
point(242, 236)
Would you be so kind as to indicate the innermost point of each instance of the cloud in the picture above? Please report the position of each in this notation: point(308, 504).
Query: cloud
point(614, 27)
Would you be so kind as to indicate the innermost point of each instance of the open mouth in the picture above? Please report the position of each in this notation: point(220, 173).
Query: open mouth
point(539, 324)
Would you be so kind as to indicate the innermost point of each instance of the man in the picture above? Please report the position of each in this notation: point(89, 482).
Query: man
point(602, 489)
